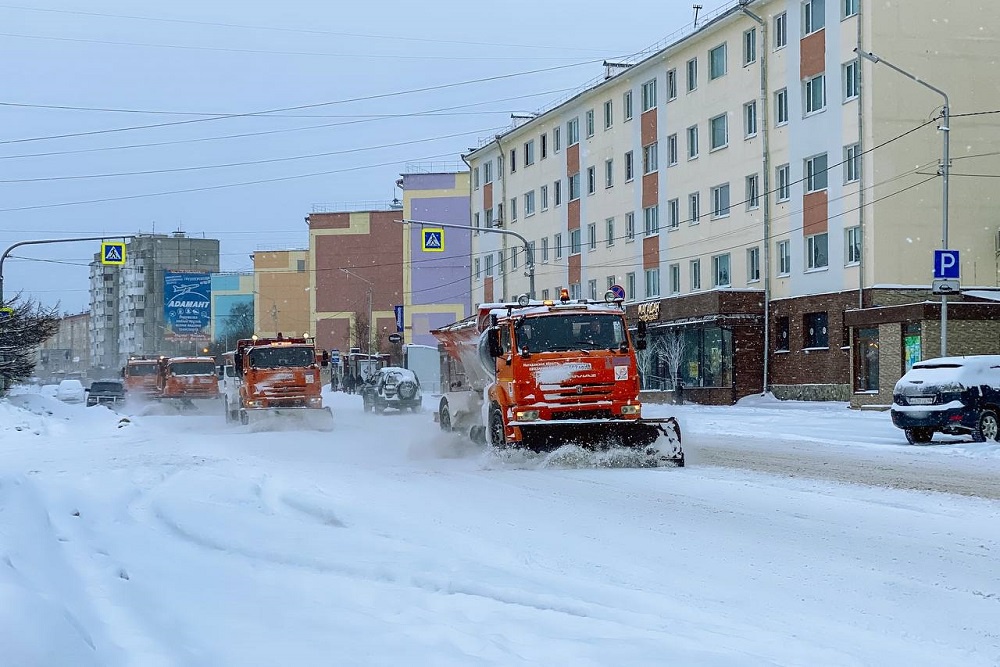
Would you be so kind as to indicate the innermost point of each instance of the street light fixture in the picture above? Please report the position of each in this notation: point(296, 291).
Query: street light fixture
point(945, 128)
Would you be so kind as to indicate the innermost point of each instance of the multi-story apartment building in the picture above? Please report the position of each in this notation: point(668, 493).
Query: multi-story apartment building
point(127, 310)
point(769, 201)
point(68, 351)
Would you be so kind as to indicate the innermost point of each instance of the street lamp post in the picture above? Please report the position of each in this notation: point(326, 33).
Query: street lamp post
point(371, 288)
point(945, 128)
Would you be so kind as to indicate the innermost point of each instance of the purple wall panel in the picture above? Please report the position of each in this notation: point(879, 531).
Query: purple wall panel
point(442, 277)
point(413, 182)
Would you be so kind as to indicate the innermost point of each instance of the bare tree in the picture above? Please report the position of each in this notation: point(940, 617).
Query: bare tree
point(673, 355)
point(362, 335)
point(22, 329)
point(649, 363)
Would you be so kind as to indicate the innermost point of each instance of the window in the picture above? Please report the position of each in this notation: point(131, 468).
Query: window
point(499, 218)
point(500, 263)
point(545, 249)
point(545, 295)
point(649, 95)
point(627, 105)
point(718, 132)
point(652, 283)
point(651, 220)
point(784, 258)
point(475, 221)
point(609, 231)
point(513, 160)
point(609, 173)
point(692, 74)
point(529, 153)
point(850, 7)
point(781, 337)
point(816, 334)
point(750, 119)
point(674, 213)
point(780, 30)
point(489, 218)
point(675, 278)
point(557, 139)
point(717, 62)
point(573, 132)
point(853, 250)
point(629, 168)
point(513, 210)
point(649, 158)
point(720, 270)
point(753, 191)
point(610, 281)
point(574, 291)
point(543, 195)
point(749, 46)
point(720, 201)
point(816, 251)
point(592, 236)
point(630, 226)
point(672, 150)
point(672, 85)
point(592, 290)
point(815, 93)
point(488, 172)
point(544, 145)
point(852, 163)
point(813, 16)
point(574, 186)
point(816, 173)
point(475, 178)
point(513, 257)
point(529, 203)
point(489, 265)
point(692, 133)
point(557, 242)
point(694, 208)
point(591, 180)
point(499, 167)
point(695, 266)
point(609, 115)
point(783, 177)
point(753, 264)
point(557, 193)
point(589, 120)
point(574, 242)
point(781, 107)
point(630, 286)
point(851, 75)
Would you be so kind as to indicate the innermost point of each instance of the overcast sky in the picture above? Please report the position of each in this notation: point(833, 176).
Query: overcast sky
point(348, 68)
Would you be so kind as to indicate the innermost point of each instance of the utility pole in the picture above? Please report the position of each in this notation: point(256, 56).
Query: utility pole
point(371, 290)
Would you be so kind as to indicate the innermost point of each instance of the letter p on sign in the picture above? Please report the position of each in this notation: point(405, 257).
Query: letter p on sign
point(946, 264)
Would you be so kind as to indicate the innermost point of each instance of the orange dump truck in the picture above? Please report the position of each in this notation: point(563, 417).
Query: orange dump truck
point(187, 378)
point(140, 374)
point(541, 374)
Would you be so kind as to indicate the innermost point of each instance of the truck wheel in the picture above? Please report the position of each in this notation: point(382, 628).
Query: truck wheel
point(919, 436)
point(498, 438)
point(987, 428)
point(444, 416)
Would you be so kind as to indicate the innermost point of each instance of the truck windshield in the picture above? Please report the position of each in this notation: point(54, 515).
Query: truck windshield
point(192, 368)
point(576, 331)
point(282, 357)
point(106, 387)
point(142, 369)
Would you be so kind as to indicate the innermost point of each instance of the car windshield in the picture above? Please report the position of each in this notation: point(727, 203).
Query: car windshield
point(142, 369)
point(106, 387)
point(282, 357)
point(569, 332)
point(192, 368)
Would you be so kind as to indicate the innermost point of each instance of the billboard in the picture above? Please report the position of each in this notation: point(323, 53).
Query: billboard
point(187, 306)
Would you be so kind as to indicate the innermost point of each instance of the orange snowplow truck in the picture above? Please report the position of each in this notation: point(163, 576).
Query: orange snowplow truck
point(140, 374)
point(187, 378)
point(539, 375)
point(279, 382)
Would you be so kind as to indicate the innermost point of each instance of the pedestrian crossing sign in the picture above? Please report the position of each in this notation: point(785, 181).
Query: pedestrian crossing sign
point(113, 252)
point(432, 239)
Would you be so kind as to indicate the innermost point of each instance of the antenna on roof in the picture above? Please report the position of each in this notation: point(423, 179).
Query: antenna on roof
point(696, 8)
point(610, 65)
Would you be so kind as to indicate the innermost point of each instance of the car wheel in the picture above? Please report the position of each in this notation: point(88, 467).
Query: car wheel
point(919, 436)
point(988, 427)
point(444, 416)
point(498, 436)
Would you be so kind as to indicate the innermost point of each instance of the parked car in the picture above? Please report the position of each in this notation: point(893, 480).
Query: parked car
point(70, 391)
point(952, 395)
point(106, 392)
point(391, 387)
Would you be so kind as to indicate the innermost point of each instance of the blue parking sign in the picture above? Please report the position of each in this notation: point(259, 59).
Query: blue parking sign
point(946, 264)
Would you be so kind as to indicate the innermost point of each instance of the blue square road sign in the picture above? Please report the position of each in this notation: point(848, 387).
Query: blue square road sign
point(113, 252)
point(432, 240)
point(946, 264)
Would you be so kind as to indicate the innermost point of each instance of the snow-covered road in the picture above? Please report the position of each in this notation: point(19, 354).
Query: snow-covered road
point(182, 541)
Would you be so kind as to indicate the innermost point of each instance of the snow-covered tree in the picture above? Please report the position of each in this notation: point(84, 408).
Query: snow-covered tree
point(22, 329)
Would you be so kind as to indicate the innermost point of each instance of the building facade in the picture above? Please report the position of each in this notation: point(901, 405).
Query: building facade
point(127, 307)
point(232, 307)
point(282, 291)
point(765, 197)
point(67, 352)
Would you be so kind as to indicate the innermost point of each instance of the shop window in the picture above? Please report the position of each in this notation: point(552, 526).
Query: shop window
point(912, 345)
point(866, 360)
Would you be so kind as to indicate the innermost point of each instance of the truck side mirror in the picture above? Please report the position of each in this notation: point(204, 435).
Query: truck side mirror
point(496, 350)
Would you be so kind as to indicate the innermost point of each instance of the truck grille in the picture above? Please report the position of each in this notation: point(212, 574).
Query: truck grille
point(570, 393)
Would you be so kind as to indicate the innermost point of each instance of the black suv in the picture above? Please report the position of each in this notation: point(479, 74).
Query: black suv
point(391, 387)
point(108, 392)
point(952, 395)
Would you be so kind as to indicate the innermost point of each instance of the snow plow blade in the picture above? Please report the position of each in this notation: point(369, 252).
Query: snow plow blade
point(657, 441)
point(288, 419)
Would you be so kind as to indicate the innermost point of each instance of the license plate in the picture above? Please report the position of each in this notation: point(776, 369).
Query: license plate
point(921, 400)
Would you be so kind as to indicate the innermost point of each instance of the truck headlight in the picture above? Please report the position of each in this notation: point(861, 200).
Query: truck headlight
point(631, 409)
point(316, 400)
point(255, 404)
point(526, 415)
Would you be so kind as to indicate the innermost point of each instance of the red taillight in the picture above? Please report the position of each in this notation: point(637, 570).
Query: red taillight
point(955, 418)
